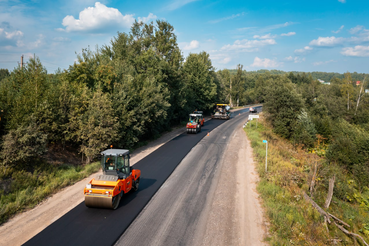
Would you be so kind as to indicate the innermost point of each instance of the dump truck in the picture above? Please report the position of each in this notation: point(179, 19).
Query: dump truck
point(195, 122)
point(221, 111)
point(118, 178)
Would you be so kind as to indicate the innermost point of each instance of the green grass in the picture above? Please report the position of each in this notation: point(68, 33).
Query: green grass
point(293, 221)
point(28, 189)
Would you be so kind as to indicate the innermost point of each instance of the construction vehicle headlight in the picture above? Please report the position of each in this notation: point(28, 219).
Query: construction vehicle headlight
point(88, 186)
point(90, 191)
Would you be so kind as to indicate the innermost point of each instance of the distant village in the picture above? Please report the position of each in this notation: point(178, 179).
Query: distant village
point(328, 83)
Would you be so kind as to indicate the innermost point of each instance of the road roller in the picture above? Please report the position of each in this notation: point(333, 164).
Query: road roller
point(118, 178)
point(195, 122)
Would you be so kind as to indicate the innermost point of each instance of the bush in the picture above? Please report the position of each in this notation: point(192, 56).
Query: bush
point(22, 145)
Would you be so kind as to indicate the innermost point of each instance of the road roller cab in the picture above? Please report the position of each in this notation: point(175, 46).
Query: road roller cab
point(118, 178)
point(195, 122)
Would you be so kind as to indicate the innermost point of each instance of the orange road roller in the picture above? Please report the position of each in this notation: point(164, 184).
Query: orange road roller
point(118, 178)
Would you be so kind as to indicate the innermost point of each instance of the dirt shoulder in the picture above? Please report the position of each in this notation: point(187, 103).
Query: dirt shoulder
point(236, 215)
point(26, 225)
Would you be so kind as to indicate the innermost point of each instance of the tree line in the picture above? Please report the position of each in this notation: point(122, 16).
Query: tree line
point(140, 85)
point(127, 91)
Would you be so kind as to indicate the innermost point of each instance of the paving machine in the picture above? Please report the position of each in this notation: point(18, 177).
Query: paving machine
point(195, 122)
point(118, 178)
point(221, 111)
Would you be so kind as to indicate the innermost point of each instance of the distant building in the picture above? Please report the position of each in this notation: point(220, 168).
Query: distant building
point(357, 83)
point(366, 90)
point(323, 82)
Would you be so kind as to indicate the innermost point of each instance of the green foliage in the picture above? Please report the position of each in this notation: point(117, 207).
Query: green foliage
point(3, 73)
point(98, 127)
point(305, 132)
point(23, 145)
point(283, 106)
point(350, 148)
point(201, 87)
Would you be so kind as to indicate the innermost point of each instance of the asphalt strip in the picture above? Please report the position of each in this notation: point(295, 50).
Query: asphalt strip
point(94, 226)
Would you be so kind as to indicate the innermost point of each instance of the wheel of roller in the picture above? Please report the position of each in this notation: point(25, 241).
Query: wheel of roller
point(116, 201)
point(136, 183)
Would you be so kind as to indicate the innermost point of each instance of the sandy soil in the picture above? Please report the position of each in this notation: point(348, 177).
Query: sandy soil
point(24, 226)
point(236, 215)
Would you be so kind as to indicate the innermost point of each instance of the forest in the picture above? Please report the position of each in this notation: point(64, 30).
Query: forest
point(139, 85)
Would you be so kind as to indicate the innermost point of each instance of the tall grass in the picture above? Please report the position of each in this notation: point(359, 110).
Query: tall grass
point(28, 189)
point(293, 221)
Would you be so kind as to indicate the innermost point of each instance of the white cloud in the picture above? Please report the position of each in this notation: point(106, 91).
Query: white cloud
point(339, 30)
point(304, 50)
point(151, 16)
point(245, 28)
point(358, 51)
point(267, 36)
point(322, 62)
point(225, 60)
point(10, 38)
point(277, 26)
point(192, 45)
point(61, 39)
point(356, 29)
point(178, 4)
point(342, 1)
point(219, 57)
point(37, 43)
point(288, 34)
point(248, 45)
point(97, 18)
point(295, 59)
point(327, 41)
point(227, 18)
point(265, 63)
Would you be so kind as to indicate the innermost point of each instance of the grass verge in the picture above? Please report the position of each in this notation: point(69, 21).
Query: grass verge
point(293, 221)
point(26, 190)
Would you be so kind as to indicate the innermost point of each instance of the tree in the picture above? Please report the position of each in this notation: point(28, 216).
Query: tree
point(225, 86)
point(199, 80)
point(23, 145)
point(347, 88)
point(283, 105)
point(238, 84)
point(4, 73)
point(98, 127)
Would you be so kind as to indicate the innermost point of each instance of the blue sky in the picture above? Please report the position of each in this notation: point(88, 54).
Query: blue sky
point(325, 35)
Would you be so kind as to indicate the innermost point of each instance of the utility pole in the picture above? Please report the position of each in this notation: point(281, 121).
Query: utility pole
point(21, 64)
point(266, 155)
point(230, 91)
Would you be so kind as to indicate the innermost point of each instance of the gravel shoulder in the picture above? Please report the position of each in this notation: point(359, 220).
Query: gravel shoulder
point(236, 215)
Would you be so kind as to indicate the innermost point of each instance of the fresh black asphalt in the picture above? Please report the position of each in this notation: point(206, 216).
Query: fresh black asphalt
point(94, 226)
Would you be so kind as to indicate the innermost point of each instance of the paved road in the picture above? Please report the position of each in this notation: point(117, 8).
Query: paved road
point(93, 226)
point(177, 214)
